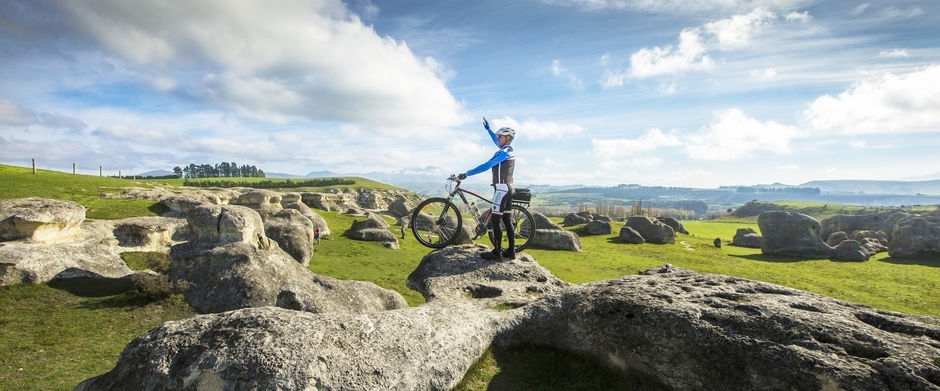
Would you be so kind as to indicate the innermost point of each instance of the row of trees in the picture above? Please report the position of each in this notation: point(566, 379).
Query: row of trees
point(220, 170)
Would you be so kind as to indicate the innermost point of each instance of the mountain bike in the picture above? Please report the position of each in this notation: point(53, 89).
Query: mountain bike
point(437, 222)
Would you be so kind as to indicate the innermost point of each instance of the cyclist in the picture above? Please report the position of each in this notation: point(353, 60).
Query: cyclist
point(502, 164)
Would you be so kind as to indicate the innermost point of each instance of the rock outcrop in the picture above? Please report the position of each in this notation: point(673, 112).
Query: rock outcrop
point(883, 221)
point(850, 250)
point(231, 264)
point(682, 329)
point(40, 220)
point(700, 331)
point(674, 224)
point(374, 229)
point(746, 237)
point(543, 222)
point(293, 233)
point(597, 227)
point(576, 219)
point(630, 235)
point(653, 231)
point(150, 233)
point(916, 235)
point(556, 239)
point(791, 234)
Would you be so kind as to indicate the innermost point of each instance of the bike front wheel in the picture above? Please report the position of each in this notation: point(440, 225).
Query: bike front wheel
point(523, 229)
point(436, 222)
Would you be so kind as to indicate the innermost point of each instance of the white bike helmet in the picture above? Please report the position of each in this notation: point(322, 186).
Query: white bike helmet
point(507, 132)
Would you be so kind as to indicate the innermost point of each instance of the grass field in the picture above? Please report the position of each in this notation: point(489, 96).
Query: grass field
point(54, 336)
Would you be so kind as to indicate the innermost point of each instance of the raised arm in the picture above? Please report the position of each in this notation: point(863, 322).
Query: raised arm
point(486, 125)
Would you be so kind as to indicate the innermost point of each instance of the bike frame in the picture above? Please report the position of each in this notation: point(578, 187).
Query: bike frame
point(476, 213)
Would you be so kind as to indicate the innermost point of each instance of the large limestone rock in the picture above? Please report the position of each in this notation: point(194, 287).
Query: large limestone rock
point(630, 235)
point(556, 239)
point(883, 221)
point(850, 250)
point(746, 237)
point(293, 233)
point(575, 219)
point(916, 236)
point(459, 273)
point(23, 262)
point(543, 222)
point(150, 233)
point(315, 219)
point(231, 264)
point(674, 224)
point(791, 234)
point(597, 227)
point(652, 231)
point(40, 220)
point(265, 202)
point(423, 348)
point(374, 229)
point(696, 331)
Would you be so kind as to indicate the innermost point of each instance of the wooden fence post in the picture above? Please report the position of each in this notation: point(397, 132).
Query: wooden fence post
point(73, 168)
point(100, 172)
point(34, 166)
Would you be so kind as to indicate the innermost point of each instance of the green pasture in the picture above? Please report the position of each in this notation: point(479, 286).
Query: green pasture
point(53, 336)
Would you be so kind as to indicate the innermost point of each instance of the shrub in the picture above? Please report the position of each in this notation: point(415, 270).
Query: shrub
point(157, 286)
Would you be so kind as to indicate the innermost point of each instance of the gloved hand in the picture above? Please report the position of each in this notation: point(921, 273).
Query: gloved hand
point(486, 124)
point(461, 176)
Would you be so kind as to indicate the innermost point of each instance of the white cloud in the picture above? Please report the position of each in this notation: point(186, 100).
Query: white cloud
point(905, 103)
point(688, 55)
point(860, 9)
point(651, 140)
point(559, 71)
point(735, 32)
point(316, 61)
point(537, 130)
point(765, 75)
point(12, 114)
point(803, 17)
point(680, 7)
point(734, 135)
point(894, 53)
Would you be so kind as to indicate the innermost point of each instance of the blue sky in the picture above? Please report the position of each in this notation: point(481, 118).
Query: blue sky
point(602, 92)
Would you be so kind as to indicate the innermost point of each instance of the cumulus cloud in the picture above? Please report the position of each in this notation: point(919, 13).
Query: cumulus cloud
point(689, 54)
point(561, 72)
point(894, 53)
point(651, 140)
point(734, 135)
point(680, 7)
point(537, 130)
point(736, 32)
point(316, 61)
point(906, 103)
point(860, 9)
point(12, 114)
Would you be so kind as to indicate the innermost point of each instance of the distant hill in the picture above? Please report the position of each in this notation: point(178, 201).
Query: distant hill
point(282, 175)
point(318, 174)
point(931, 187)
point(156, 173)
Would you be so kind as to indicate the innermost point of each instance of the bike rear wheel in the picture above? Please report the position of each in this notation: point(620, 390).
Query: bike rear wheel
point(436, 222)
point(523, 229)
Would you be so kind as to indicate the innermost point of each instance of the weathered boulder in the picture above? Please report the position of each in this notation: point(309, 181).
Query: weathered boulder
point(883, 221)
point(836, 237)
point(791, 234)
point(150, 233)
point(429, 347)
point(40, 220)
point(697, 331)
point(850, 250)
point(597, 227)
point(315, 219)
point(556, 239)
point(873, 241)
point(180, 204)
point(23, 262)
point(575, 219)
point(265, 202)
point(293, 232)
point(370, 199)
point(373, 229)
point(334, 202)
point(630, 235)
point(459, 273)
point(543, 222)
point(467, 229)
point(916, 235)
point(231, 264)
point(652, 231)
point(399, 208)
point(746, 237)
point(674, 224)
point(597, 217)
point(717, 242)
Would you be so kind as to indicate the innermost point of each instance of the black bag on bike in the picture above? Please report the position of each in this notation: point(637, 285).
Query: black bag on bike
point(522, 195)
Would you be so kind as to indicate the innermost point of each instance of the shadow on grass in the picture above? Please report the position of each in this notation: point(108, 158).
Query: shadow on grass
point(923, 260)
point(92, 286)
point(542, 368)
